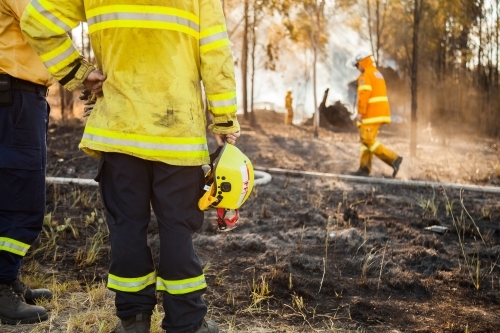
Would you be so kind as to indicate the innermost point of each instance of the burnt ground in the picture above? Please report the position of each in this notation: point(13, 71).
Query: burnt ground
point(315, 254)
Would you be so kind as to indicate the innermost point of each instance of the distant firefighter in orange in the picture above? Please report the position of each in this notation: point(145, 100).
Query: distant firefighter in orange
point(289, 108)
point(373, 111)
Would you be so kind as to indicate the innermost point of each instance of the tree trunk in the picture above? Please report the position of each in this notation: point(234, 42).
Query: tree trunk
point(370, 32)
point(497, 39)
point(254, 46)
point(378, 28)
point(89, 48)
point(62, 103)
point(66, 98)
point(244, 63)
point(414, 78)
point(315, 37)
point(83, 39)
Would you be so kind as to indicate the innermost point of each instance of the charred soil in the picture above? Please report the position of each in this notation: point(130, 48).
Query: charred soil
point(315, 254)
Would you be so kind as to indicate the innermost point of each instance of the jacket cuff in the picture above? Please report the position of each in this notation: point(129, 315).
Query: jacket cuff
point(77, 75)
point(225, 124)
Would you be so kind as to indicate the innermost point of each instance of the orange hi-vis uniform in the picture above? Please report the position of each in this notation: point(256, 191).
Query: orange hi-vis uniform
point(373, 106)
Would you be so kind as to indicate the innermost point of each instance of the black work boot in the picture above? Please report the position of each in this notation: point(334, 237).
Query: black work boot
point(208, 326)
point(13, 310)
point(30, 295)
point(140, 323)
point(396, 165)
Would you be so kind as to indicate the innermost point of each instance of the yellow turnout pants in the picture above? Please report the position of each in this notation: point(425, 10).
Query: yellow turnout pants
point(289, 116)
point(371, 146)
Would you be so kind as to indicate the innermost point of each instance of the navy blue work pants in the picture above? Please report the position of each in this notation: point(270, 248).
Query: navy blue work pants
point(129, 187)
point(23, 157)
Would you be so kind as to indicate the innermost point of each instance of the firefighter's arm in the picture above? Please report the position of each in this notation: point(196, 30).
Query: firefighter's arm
point(15, 8)
point(45, 24)
point(217, 69)
point(364, 93)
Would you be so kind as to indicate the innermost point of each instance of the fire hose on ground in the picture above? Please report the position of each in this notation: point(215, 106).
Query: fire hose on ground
point(263, 176)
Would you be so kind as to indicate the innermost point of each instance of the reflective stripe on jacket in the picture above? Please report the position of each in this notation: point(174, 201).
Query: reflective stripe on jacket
point(155, 54)
point(17, 58)
point(373, 104)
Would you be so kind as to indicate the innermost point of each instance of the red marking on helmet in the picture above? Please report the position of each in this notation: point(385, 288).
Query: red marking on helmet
point(245, 186)
point(246, 182)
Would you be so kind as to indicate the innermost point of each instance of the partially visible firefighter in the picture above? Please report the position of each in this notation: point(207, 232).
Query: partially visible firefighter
point(289, 107)
point(373, 111)
point(149, 131)
point(24, 117)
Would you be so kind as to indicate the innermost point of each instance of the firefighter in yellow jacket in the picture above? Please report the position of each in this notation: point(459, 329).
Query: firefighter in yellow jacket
point(149, 130)
point(373, 111)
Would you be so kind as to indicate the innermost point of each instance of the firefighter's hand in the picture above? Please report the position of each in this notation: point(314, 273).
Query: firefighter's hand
point(88, 100)
point(230, 138)
point(359, 117)
point(94, 82)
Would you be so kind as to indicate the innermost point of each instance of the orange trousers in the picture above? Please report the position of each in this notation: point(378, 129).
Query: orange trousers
point(371, 146)
point(289, 116)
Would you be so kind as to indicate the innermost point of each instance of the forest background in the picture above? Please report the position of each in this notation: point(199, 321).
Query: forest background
point(443, 54)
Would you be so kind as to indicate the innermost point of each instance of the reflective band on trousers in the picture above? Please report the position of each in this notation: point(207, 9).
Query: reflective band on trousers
point(13, 246)
point(178, 287)
point(378, 99)
point(130, 284)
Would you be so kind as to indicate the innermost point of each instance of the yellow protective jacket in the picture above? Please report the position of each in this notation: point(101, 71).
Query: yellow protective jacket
point(17, 58)
point(373, 104)
point(154, 53)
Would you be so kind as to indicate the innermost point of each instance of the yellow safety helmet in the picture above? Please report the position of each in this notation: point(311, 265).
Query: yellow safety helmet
point(229, 182)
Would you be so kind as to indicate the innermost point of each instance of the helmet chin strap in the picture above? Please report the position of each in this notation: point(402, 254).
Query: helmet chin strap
point(227, 218)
